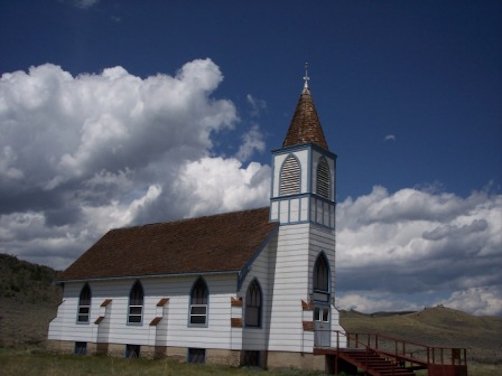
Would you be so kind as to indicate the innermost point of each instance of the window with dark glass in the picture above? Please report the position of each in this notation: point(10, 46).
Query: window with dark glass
point(196, 355)
point(136, 297)
point(289, 182)
point(80, 348)
point(323, 179)
point(321, 279)
point(253, 305)
point(84, 304)
point(198, 303)
point(132, 351)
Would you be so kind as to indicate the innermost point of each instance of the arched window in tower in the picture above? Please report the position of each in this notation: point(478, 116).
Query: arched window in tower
point(321, 278)
point(136, 297)
point(323, 179)
point(289, 181)
point(253, 305)
point(198, 303)
point(84, 304)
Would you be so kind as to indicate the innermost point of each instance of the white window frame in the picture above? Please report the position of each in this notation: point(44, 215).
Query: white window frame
point(192, 315)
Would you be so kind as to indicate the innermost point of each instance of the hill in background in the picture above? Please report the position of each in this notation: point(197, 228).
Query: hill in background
point(438, 326)
point(29, 299)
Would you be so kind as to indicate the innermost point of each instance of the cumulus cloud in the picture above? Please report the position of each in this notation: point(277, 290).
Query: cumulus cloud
point(413, 242)
point(81, 154)
point(213, 185)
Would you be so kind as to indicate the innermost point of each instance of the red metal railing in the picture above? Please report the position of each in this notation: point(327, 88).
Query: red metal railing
point(403, 353)
point(409, 351)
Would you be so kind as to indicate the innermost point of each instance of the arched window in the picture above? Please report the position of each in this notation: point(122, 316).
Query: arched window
point(321, 277)
point(253, 305)
point(198, 303)
point(323, 179)
point(289, 182)
point(84, 304)
point(136, 297)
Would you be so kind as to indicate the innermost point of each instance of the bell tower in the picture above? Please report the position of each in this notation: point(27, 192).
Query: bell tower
point(303, 178)
point(303, 313)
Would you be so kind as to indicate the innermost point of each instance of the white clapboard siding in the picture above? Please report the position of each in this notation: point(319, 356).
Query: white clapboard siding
point(178, 332)
point(65, 326)
point(257, 338)
point(289, 273)
point(323, 240)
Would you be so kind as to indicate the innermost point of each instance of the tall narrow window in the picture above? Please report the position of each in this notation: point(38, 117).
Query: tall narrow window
point(289, 182)
point(323, 179)
point(321, 278)
point(84, 304)
point(253, 305)
point(136, 297)
point(198, 303)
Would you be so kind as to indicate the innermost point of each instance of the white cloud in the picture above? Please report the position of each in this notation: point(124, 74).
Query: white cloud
point(252, 140)
point(257, 106)
point(222, 185)
point(390, 137)
point(479, 301)
point(63, 127)
point(412, 242)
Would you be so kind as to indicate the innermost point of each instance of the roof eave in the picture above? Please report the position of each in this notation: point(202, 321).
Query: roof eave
point(153, 275)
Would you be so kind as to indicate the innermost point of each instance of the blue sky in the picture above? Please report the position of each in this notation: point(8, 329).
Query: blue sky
point(408, 93)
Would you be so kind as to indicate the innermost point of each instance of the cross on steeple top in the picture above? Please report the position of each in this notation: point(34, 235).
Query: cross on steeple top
point(306, 78)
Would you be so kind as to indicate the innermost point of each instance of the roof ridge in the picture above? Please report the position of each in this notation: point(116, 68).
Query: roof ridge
point(181, 220)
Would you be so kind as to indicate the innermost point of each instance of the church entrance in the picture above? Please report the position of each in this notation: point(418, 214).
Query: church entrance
point(322, 326)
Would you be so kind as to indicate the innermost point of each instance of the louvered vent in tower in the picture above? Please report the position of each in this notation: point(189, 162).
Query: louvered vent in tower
point(290, 177)
point(323, 188)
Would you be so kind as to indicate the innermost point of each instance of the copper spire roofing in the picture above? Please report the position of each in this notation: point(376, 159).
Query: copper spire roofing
point(218, 243)
point(305, 126)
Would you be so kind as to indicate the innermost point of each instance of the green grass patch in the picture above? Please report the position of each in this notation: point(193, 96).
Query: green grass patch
point(36, 362)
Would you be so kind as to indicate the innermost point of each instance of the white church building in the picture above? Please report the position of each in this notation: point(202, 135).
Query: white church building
point(254, 287)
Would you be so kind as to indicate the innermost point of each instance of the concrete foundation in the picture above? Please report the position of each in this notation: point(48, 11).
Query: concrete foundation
point(305, 361)
point(223, 356)
point(61, 347)
point(270, 359)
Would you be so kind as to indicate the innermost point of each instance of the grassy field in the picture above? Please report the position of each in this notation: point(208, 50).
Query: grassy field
point(39, 363)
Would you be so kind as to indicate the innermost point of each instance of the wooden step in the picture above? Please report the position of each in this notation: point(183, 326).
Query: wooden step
point(375, 364)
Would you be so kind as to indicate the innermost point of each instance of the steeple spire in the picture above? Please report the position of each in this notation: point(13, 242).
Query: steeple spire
point(306, 78)
point(305, 127)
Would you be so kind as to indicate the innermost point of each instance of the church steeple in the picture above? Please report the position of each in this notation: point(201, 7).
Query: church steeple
point(303, 179)
point(305, 127)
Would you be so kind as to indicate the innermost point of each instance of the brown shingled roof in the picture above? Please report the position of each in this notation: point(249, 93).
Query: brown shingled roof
point(305, 126)
point(216, 243)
